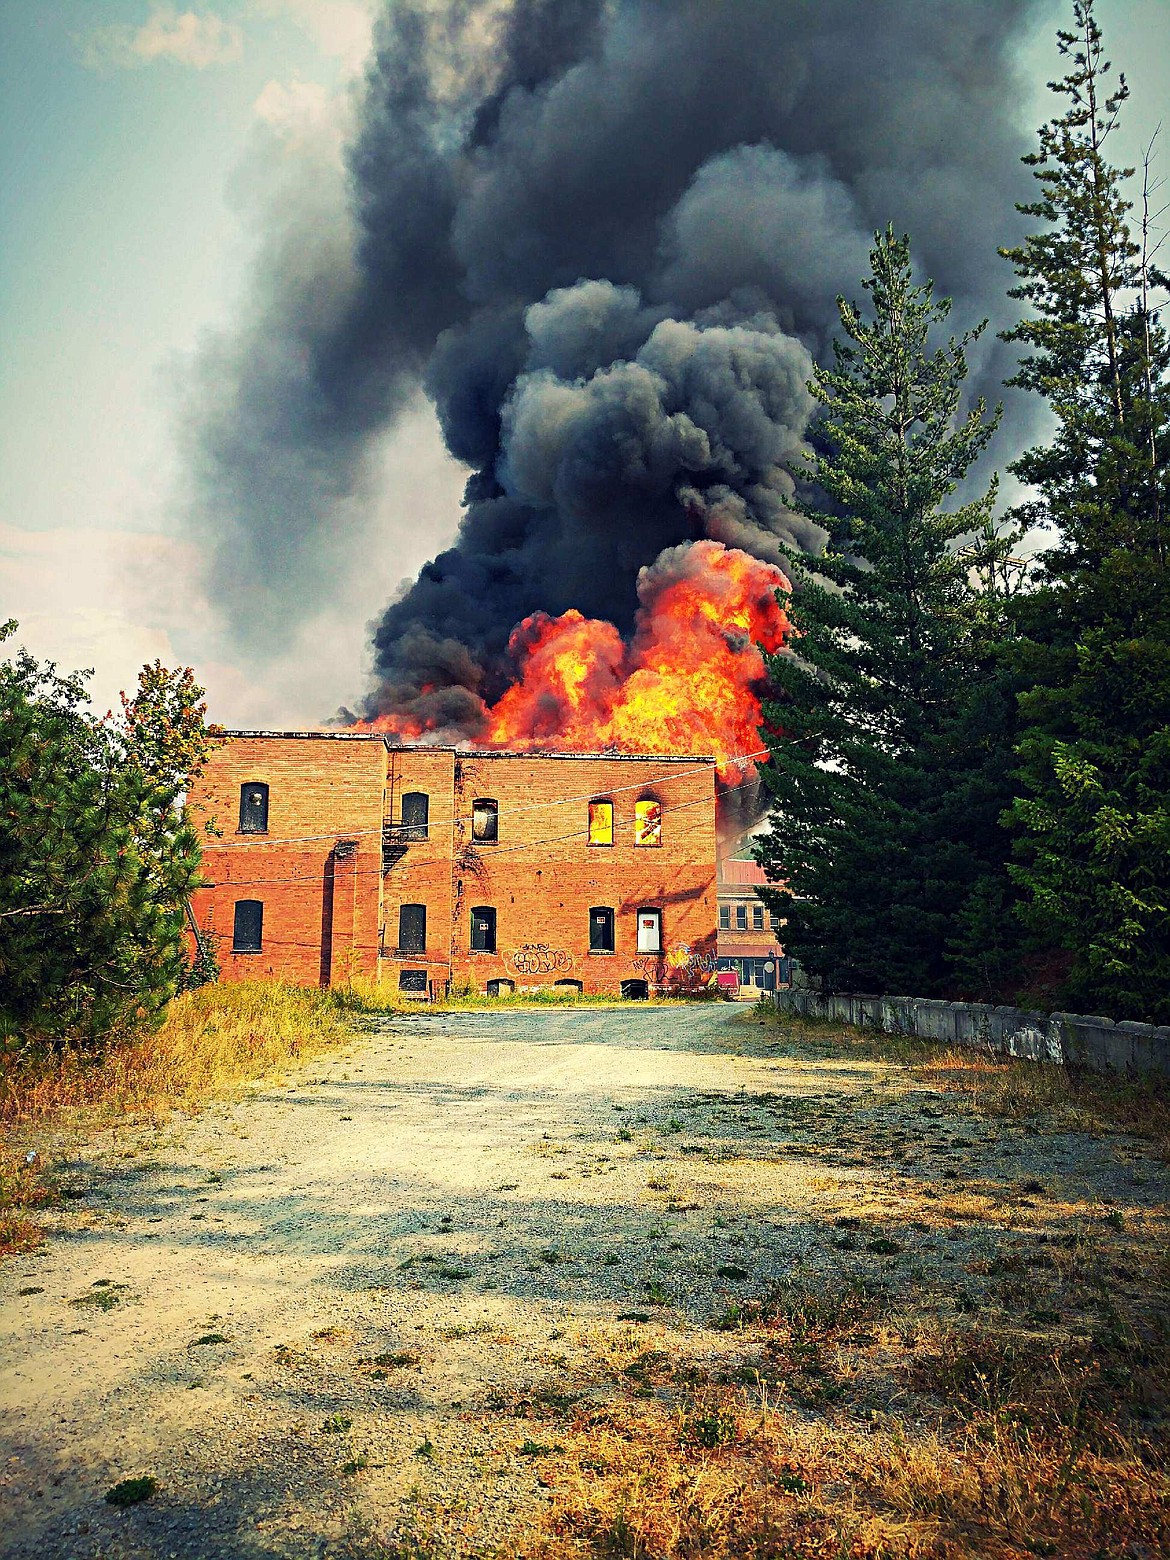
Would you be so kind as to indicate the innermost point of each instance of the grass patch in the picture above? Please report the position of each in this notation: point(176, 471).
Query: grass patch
point(131, 1492)
point(23, 1189)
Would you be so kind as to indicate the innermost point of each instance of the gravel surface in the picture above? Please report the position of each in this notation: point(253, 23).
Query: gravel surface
point(315, 1316)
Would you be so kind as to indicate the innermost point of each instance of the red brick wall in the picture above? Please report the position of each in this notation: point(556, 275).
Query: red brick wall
point(543, 876)
point(321, 916)
point(330, 913)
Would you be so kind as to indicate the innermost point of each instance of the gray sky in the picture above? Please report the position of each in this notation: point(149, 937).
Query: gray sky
point(145, 152)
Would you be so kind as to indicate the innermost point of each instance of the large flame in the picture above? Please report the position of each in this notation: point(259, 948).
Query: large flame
point(688, 682)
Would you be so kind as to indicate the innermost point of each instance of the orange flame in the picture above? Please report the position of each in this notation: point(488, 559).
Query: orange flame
point(688, 682)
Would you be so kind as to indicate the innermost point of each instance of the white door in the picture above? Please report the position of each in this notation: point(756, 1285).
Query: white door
point(649, 931)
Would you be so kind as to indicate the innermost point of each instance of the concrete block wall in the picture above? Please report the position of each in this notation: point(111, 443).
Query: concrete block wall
point(1090, 1044)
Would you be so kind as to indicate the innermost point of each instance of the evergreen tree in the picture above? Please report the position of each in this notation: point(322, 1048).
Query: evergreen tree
point(96, 856)
point(883, 819)
point(1093, 819)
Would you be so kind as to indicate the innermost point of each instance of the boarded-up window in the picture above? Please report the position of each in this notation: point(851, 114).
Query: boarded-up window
point(413, 982)
point(757, 918)
point(248, 927)
point(601, 823)
point(412, 929)
point(416, 812)
point(725, 918)
point(600, 929)
point(254, 808)
point(647, 822)
point(483, 929)
point(485, 821)
point(649, 930)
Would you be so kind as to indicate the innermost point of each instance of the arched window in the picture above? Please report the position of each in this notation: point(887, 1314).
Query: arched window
point(649, 929)
point(601, 822)
point(416, 813)
point(254, 807)
point(648, 822)
point(412, 929)
point(600, 929)
point(248, 927)
point(483, 929)
point(485, 821)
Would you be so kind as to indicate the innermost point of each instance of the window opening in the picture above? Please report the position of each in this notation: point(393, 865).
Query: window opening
point(647, 822)
point(416, 814)
point(725, 918)
point(248, 928)
point(741, 918)
point(413, 981)
point(485, 821)
point(601, 823)
point(570, 985)
point(757, 918)
point(412, 929)
point(500, 988)
point(254, 808)
point(636, 990)
point(649, 930)
point(483, 929)
point(600, 929)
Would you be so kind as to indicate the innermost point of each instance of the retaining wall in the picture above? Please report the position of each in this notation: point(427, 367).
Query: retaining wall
point(1076, 1041)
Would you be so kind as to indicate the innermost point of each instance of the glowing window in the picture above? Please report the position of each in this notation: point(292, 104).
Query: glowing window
point(485, 821)
point(649, 930)
point(601, 823)
point(647, 822)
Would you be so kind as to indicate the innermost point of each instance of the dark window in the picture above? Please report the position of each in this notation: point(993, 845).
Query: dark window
point(248, 929)
point(414, 981)
point(412, 929)
point(741, 918)
point(649, 930)
point(254, 808)
point(757, 918)
point(636, 990)
point(485, 821)
point(483, 929)
point(774, 922)
point(725, 917)
point(600, 929)
point(500, 988)
point(416, 812)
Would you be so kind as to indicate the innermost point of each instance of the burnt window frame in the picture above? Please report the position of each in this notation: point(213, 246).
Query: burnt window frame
point(491, 944)
point(492, 808)
point(411, 951)
point(656, 911)
point(246, 827)
point(603, 910)
point(238, 945)
point(415, 828)
point(600, 801)
point(641, 844)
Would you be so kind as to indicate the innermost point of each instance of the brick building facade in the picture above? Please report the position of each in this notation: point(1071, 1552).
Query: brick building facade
point(336, 855)
point(749, 934)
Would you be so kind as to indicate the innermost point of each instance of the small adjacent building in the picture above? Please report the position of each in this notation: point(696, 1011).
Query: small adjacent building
point(749, 934)
point(335, 855)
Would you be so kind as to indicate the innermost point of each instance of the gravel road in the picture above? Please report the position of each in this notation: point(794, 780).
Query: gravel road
point(306, 1313)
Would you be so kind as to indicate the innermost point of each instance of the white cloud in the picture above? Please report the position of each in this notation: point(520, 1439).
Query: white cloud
point(186, 37)
point(342, 29)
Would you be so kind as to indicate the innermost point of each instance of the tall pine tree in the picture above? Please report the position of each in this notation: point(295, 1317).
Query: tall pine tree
point(1093, 817)
point(882, 823)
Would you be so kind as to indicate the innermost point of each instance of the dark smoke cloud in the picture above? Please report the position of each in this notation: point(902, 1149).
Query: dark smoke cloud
point(606, 235)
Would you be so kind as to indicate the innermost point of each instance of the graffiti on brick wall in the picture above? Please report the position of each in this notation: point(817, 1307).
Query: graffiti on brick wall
point(540, 959)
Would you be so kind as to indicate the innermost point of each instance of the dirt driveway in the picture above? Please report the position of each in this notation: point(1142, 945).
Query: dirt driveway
point(310, 1314)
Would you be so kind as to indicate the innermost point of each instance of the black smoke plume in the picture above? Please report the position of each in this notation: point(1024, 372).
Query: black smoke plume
point(606, 236)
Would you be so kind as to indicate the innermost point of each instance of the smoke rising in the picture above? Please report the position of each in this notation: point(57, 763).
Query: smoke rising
point(606, 236)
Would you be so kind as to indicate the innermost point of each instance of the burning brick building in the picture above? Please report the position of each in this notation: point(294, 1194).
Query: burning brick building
point(343, 854)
